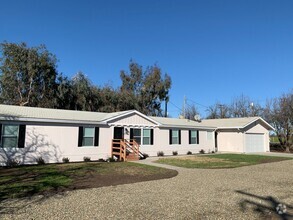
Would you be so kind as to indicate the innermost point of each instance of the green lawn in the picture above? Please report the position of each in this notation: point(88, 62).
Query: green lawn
point(53, 178)
point(219, 161)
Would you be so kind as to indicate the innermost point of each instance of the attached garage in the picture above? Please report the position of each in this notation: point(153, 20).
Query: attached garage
point(242, 135)
point(254, 143)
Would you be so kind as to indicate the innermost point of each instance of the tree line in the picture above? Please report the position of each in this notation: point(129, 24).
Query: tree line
point(29, 77)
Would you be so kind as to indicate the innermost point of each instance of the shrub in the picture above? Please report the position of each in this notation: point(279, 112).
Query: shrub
point(202, 151)
point(12, 163)
point(40, 161)
point(145, 155)
point(175, 153)
point(160, 153)
point(189, 153)
point(65, 160)
point(213, 152)
point(101, 160)
point(86, 159)
point(111, 159)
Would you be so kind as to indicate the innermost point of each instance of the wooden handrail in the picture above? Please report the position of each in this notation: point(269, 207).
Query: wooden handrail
point(123, 145)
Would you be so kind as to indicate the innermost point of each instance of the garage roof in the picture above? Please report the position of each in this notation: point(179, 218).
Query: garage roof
point(228, 123)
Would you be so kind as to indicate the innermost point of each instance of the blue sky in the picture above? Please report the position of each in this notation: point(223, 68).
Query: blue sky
point(213, 50)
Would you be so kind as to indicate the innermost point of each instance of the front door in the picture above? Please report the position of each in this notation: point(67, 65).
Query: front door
point(118, 133)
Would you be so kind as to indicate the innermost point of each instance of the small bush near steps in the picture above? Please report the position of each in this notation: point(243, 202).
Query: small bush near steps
point(175, 153)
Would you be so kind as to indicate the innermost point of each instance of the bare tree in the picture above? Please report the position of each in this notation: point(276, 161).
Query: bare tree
point(218, 111)
point(243, 106)
point(190, 112)
point(279, 112)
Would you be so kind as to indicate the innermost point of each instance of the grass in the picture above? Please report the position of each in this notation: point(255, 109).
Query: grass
point(49, 179)
point(220, 161)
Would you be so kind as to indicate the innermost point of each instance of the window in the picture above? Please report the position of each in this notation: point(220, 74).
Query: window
point(146, 137)
point(12, 136)
point(175, 136)
point(209, 135)
point(193, 137)
point(88, 136)
point(142, 136)
point(137, 135)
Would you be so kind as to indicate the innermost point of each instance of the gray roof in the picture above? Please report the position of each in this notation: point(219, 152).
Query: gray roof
point(232, 122)
point(177, 122)
point(22, 112)
point(229, 122)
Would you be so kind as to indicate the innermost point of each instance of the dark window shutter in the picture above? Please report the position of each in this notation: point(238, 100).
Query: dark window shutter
point(189, 135)
point(97, 132)
point(179, 133)
point(152, 136)
point(80, 136)
point(131, 133)
point(21, 136)
point(197, 135)
point(0, 134)
point(170, 136)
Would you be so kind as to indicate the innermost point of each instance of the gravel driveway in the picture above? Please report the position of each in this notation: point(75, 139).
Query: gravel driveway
point(240, 193)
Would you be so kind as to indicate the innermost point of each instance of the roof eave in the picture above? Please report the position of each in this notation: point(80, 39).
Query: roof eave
point(39, 120)
point(128, 113)
point(184, 126)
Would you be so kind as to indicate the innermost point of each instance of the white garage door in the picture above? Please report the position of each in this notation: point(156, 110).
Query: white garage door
point(254, 143)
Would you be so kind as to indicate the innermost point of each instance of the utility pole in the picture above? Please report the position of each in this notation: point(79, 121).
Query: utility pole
point(184, 104)
point(166, 107)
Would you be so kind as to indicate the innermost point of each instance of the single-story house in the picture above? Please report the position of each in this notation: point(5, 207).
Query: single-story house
point(28, 133)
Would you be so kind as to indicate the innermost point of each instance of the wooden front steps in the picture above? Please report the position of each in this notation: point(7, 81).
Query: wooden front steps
point(125, 150)
point(132, 157)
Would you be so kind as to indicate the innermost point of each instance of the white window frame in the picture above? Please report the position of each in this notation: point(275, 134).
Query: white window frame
point(177, 137)
point(149, 137)
point(7, 136)
point(83, 144)
point(193, 138)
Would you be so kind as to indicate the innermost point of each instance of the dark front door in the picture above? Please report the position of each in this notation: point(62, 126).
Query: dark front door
point(216, 141)
point(118, 133)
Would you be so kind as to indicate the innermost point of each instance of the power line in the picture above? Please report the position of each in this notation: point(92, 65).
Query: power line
point(198, 103)
point(175, 105)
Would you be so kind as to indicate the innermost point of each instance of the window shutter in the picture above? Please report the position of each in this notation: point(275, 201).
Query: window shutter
point(189, 135)
point(97, 132)
point(197, 135)
point(21, 136)
point(80, 136)
point(170, 136)
point(0, 134)
point(152, 136)
point(179, 133)
point(131, 133)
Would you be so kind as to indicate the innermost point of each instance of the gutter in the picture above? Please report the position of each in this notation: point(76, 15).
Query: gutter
point(46, 120)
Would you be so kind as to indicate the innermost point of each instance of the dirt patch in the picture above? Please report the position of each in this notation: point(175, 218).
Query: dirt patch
point(93, 180)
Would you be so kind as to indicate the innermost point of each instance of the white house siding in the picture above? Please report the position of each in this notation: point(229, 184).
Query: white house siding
point(53, 143)
point(161, 143)
point(230, 141)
